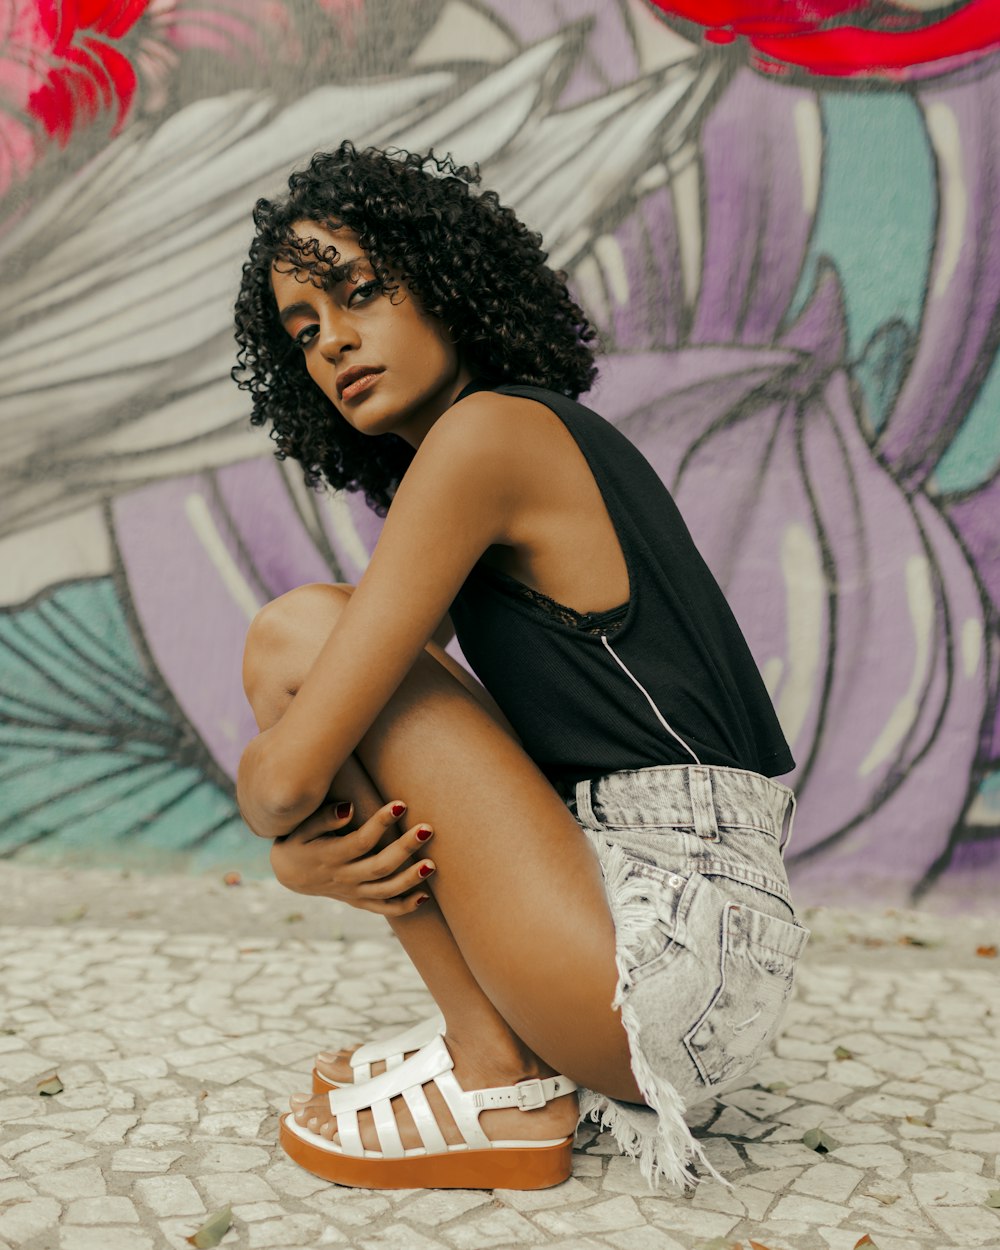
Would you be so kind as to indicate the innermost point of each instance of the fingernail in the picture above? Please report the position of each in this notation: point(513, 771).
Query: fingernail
point(327, 1056)
point(398, 809)
point(425, 870)
point(343, 811)
point(298, 1100)
point(422, 899)
point(424, 834)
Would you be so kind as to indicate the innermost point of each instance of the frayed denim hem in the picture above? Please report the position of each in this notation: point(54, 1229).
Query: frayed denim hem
point(656, 1136)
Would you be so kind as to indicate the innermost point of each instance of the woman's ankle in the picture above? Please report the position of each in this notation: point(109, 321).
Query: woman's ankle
point(499, 1058)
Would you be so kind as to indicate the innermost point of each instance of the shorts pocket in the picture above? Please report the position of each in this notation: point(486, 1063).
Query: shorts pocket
point(757, 963)
point(648, 905)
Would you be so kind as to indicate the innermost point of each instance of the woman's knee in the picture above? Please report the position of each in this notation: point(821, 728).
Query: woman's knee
point(286, 634)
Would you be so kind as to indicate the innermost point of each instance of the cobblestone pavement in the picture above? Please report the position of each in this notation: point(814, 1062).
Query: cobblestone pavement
point(177, 1043)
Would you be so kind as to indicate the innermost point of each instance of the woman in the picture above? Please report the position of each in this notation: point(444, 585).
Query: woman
point(590, 880)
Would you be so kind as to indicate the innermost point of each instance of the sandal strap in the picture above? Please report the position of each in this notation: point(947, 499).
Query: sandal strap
point(432, 1062)
point(527, 1095)
point(392, 1050)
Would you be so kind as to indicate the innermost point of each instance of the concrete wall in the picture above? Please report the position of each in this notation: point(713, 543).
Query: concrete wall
point(797, 278)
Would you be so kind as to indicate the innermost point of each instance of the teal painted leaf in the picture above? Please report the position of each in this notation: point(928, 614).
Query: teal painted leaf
point(97, 763)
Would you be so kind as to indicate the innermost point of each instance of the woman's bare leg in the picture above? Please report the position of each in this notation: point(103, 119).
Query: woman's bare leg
point(520, 956)
point(281, 651)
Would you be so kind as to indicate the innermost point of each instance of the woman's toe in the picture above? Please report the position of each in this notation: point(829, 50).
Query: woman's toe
point(328, 1130)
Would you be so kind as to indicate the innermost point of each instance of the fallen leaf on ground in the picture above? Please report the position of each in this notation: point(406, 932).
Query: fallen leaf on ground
point(233, 878)
point(907, 939)
point(776, 1087)
point(918, 1119)
point(819, 1140)
point(886, 1199)
point(50, 1085)
point(758, 1245)
point(992, 1198)
point(986, 952)
point(75, 914)
point(213, 1230)
point(865, 1241)
point(843, 1053)
point(294, 917)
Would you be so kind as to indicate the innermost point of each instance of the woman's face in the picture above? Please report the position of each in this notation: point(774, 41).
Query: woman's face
point(384, 364)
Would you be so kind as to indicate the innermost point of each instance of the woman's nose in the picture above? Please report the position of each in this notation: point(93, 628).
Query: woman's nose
point(336, 334)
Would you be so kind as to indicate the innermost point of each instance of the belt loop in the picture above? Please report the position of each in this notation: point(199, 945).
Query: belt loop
point(787, 823)
point(584, 808)
point(702, 803)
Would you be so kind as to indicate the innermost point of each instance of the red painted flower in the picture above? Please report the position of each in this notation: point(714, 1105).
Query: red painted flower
point(846, 37)
point(86, 73)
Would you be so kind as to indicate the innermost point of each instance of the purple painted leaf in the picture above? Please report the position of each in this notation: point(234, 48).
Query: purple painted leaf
point(351, 528)
point(636, 297)
point(821, 555)
point(975, 519)
point(198, 570)
point(914, 821)
point(960, 331)
point(760, 157)
point(665, 401)
point(821, 327)
point(267, 528)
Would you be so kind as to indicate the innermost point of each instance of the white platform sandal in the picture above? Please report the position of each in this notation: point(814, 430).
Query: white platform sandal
point(390, 1050)
point(476, 1163)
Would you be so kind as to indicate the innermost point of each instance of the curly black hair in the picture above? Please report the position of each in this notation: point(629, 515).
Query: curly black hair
point(466, 258)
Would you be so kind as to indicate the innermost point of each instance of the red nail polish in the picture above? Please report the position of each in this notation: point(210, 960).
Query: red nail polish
point(425, 870)
point(343, 811)
point(398, 809)
point(422, 899)
point(423, 835)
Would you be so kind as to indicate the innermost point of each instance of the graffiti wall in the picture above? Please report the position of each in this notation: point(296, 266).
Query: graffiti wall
point(785, 228)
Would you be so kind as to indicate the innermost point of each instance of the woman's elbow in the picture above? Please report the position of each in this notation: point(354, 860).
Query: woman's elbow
point(272, 802)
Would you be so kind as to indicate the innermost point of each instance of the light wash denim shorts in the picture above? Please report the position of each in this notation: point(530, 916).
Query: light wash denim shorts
point(706, 938)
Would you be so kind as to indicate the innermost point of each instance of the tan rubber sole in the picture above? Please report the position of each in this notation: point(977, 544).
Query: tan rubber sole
point(512, 1167)
point(320, 1084)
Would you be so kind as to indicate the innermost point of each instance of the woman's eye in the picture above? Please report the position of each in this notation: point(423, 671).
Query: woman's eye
point(306, 336)
point(366, 291)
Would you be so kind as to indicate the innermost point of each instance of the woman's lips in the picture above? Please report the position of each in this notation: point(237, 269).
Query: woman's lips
point(361, 384)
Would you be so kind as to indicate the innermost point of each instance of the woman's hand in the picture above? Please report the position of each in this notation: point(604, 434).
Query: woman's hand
point(315, 859)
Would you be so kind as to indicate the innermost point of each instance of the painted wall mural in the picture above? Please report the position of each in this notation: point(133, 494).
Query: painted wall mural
point(787, 238)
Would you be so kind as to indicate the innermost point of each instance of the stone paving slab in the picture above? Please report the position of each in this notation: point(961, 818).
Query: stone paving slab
point(177, 1046)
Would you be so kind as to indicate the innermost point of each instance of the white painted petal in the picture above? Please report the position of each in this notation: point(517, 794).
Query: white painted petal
point(920, 600)
point(200, 518)
point(942, 126)
point(462, 33)
point(69, 548)
point(805, 591)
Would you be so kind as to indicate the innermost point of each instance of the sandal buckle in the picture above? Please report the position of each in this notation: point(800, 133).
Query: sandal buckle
point(530, 1095)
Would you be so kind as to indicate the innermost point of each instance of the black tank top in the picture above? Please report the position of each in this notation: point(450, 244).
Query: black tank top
point(666, 678)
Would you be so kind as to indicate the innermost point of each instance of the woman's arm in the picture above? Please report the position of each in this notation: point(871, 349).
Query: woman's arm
point(455, 500)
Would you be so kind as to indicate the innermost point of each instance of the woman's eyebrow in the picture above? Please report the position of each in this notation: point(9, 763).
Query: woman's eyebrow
point(293, 310)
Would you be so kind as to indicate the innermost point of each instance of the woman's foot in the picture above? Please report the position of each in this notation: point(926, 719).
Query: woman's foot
point(556, 1119)
point(361, 1063)
point(335, 1066)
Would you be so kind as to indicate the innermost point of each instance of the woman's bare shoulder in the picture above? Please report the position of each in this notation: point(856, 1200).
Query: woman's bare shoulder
point(514, 429)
